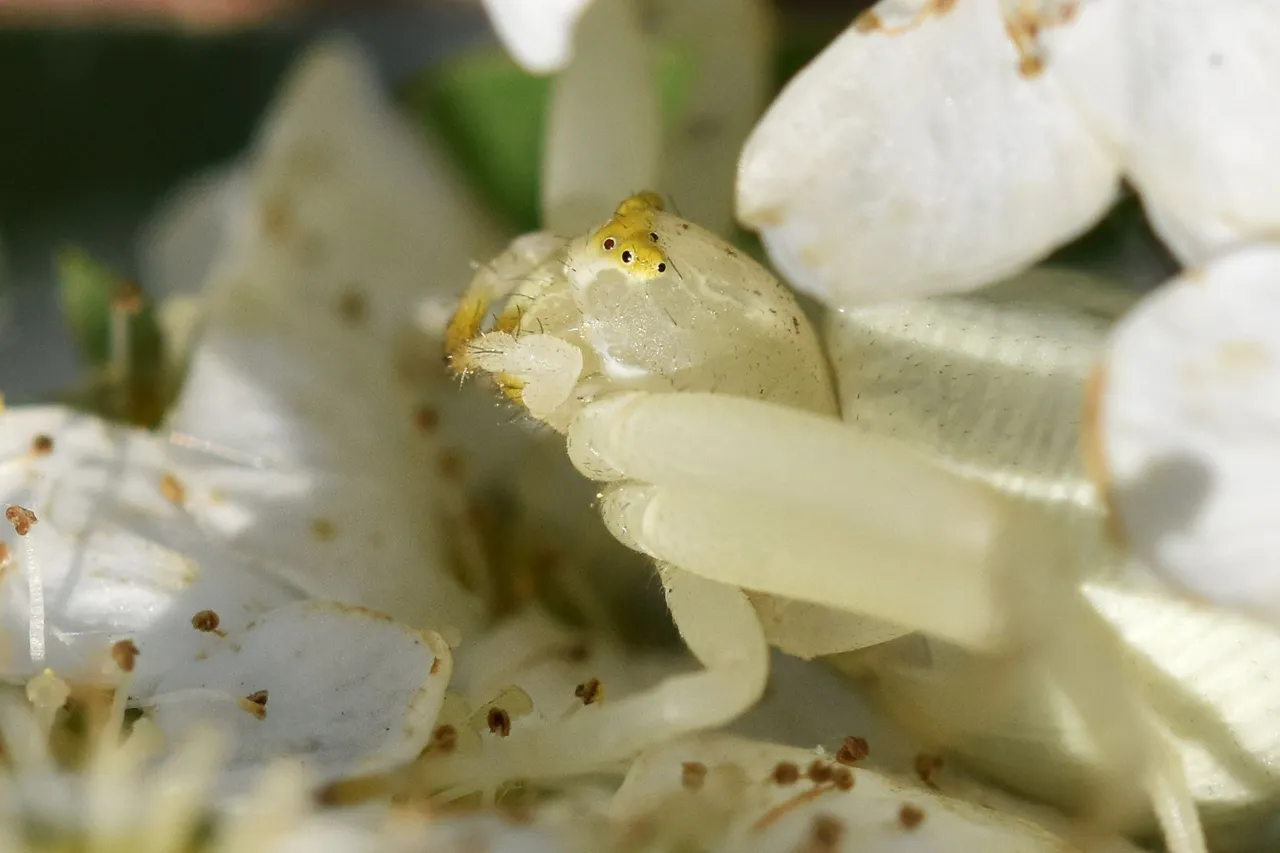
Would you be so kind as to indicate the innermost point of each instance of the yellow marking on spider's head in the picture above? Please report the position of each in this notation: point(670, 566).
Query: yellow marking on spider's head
point(629, 238)
point(640, 204)
point(463, 327)
point(511, 387)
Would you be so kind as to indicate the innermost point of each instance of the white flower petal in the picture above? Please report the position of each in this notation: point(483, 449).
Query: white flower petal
point(895, 166)
point(1203, 140)
point(604, 127)
point(731, 43)
point(485, 831)
point(348, 690)
point(303, 388)
point(182, 241)
point(1190, 430)
point(114, 556)
point(740, 808)
point(537, 33)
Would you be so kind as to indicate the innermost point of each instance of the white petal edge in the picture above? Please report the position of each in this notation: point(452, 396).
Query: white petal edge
point(113, 555)
point(1202, 142)
point(897, 166)
point(348, 690)
point(1190, 430)
point(537, 33)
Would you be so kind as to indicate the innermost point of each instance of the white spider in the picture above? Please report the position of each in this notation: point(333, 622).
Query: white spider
point(952, 501)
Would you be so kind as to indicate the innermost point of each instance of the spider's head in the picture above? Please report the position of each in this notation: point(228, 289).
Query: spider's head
point(638, 254)
point(630, 240)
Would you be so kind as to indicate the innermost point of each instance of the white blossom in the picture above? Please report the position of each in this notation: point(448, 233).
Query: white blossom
point(952, 154)
point(1188, 430)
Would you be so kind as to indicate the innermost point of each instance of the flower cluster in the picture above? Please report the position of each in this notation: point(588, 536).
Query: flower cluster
point(335, 603)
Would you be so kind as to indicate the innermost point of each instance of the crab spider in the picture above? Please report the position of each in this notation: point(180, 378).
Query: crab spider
point(704, 405)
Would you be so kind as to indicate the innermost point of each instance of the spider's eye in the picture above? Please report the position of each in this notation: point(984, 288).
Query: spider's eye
point(653, 235)
point(609, 243)
point(662, 267)
point(626, 257)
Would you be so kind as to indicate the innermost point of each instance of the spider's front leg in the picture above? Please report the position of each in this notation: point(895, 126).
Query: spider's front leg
point(801, 507)
point(720, 628)
point(789, 503)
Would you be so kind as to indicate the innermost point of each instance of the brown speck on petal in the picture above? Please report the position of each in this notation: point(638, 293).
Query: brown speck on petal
point(785, 773)
point(172, 489)
point(5, 556)
point(445, 738)
point(819, 772)
point(499, 722)
point(353, 306)
point(590, 691)
point(435, 666)
point(910, 816)
point(207, 621)
point(451, 464)
point(256, 704)
point(42, 445)
point(277, 219)
point(323, 529)
point(826, 833)
point(853, 750)
point(693, 774)
point(426, 418)
point(926, 765)
point(125, 654)
point(21, 518)
point(867, 22)
point(843, 778)
point(1031, 67)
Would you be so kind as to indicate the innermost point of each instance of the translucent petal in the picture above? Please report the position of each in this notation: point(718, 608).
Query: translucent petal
point(991, 384)
point(303, 389)
point(1190, 430)
point(732, 47)
point(604, 127)
point(346, 689)
point(1203, 138)
point(537, 33)
point(113, 554)
point(901, 165)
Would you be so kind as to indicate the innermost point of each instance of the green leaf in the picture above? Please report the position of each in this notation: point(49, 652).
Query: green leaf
point(490, 115)
point(87, 291)
point(84, 289)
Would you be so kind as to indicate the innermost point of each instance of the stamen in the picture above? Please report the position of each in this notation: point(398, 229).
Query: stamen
point(47, 694)
point(36, 635)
